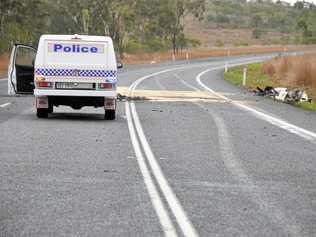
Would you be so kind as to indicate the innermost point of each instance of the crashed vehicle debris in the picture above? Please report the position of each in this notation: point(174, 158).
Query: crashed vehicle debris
point(284, 94)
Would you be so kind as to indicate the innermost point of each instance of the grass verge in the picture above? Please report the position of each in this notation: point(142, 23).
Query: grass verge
point(256, 78)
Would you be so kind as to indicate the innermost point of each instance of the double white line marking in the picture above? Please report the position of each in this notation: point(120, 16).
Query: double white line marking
point(145, 155)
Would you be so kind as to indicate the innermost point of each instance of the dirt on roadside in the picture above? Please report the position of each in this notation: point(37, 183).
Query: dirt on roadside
point(4, 60)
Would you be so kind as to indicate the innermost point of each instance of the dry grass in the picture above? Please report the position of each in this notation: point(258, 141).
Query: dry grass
point(4, 60)
point(298, 71)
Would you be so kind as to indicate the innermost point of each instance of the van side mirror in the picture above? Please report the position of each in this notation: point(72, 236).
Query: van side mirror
point(119, 65)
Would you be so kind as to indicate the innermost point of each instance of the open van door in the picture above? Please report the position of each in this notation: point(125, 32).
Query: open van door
point(21, 70)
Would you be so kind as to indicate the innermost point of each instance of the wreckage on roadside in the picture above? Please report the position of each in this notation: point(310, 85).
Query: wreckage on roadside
point(284, 94)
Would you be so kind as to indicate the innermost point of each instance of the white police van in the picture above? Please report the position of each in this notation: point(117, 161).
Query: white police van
point(71, 70)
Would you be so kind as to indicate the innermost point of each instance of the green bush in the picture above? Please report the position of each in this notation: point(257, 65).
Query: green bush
point(241, 44)
point(133, 46)
point(219, 43)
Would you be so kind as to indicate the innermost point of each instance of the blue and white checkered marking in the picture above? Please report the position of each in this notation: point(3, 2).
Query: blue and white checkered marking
point(75, 73)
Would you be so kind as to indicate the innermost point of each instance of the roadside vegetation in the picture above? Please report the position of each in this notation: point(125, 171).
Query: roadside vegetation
point(294, 24)
point(4, 60)
point(146, 31)
point(290, 72)
point(148, 26)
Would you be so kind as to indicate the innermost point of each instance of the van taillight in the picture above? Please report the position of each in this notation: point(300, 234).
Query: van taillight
point(43, 84)
point(105, 86)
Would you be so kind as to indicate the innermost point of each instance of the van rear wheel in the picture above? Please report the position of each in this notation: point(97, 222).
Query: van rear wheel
point(42, 113)
point(50, 109)
point(109, 115)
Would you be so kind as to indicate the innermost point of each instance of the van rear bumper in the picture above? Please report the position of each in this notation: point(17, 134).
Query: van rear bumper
point(82, 93)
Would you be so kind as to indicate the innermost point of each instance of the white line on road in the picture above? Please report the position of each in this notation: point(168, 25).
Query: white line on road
point(233, 165)
point(181, 217)
point(188, 85)
point(174, 204)
point(160, 85)
point(308, 135)
point(4, 105)
point(159, 207)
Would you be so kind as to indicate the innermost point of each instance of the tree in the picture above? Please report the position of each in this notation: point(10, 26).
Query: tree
point(174, 12)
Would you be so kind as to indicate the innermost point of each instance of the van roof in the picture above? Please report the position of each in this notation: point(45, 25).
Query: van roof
point(73, 37)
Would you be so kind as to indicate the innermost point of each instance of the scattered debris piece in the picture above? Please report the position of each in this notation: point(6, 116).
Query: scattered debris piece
point(121, 97)
point(268, 91)
point(281, 94)
point(297, 95)
point(157, 110)
point(284, 94)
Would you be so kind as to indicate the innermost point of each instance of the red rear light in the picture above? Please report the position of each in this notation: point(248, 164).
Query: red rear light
point(106, 86)
point(43, 84)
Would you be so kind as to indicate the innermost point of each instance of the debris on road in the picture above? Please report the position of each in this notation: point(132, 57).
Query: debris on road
point(268, 91)
point(125, 95)
point(121, 97)
point(284, 94)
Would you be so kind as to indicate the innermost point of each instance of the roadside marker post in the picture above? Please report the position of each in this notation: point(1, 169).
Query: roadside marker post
point(187, 56)
point(244, 80)
point(173, 57)
point(226, 67)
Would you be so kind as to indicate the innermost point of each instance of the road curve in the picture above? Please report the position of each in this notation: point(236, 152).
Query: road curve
point(236, 165)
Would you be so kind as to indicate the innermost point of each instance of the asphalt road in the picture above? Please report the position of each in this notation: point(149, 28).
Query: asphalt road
point(236, 165)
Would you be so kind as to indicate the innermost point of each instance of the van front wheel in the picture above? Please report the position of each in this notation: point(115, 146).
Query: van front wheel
point(42, 113)
point(109, 115)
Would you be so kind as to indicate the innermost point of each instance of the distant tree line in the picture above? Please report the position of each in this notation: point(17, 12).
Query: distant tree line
point(148, 25)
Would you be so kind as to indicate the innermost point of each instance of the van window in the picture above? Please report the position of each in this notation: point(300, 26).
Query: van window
point(25, 56)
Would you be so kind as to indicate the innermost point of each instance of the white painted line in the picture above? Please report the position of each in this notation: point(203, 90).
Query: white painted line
point(188, 85)
point(160, 85)
point(308, 135)
point(4, 105)
point(234, 166)
point(182, 219)
point(161, 211)
point(269, 208)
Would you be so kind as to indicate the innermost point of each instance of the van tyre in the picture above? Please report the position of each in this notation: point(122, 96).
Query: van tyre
point(50, 109)
point(109, 115)
point(42, 113)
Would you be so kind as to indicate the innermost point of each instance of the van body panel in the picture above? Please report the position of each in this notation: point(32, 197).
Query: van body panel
point(71, 70)
point(91, 93)
point(66, 58)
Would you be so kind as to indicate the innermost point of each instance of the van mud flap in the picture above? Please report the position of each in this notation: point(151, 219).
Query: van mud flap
point(109, 104)
point(42, 102)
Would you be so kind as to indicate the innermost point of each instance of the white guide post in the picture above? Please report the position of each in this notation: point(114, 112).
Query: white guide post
point(244, 80)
